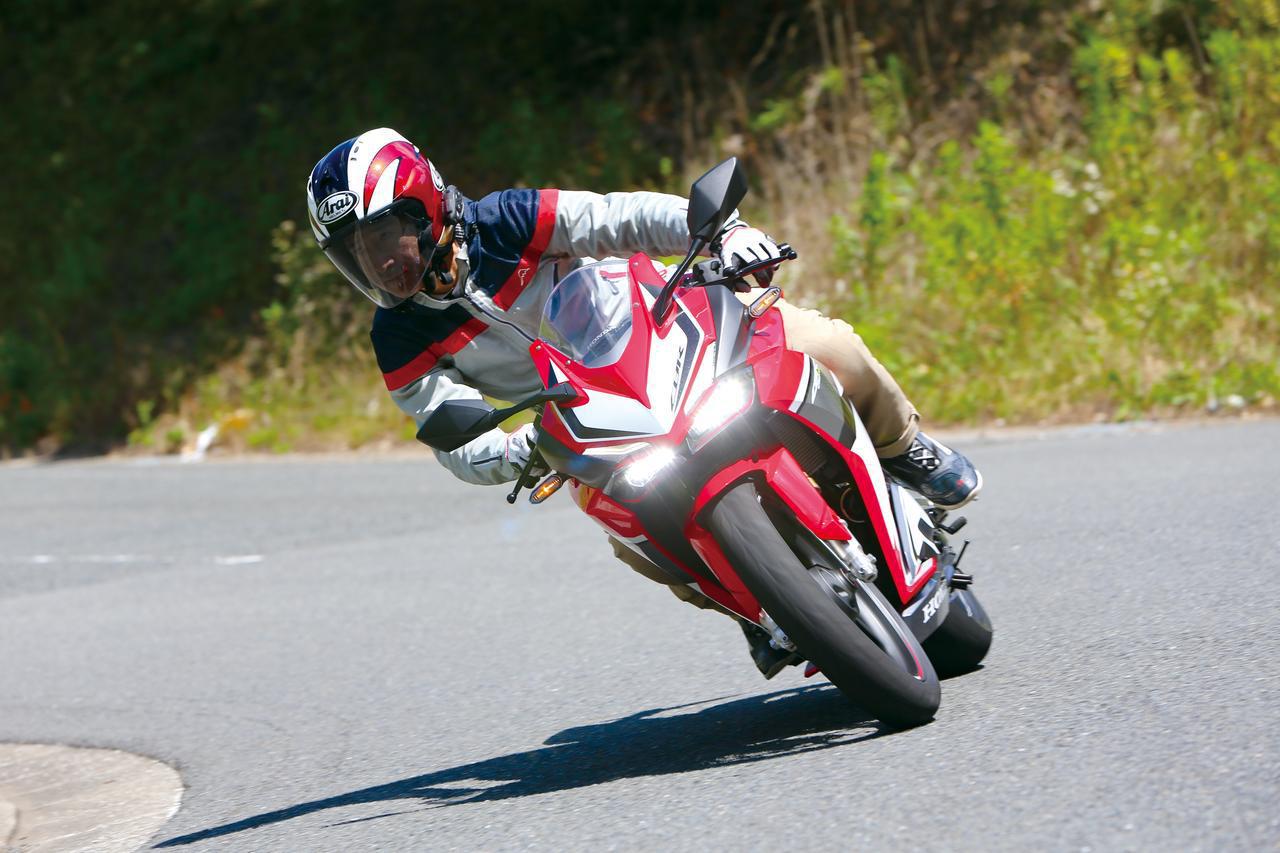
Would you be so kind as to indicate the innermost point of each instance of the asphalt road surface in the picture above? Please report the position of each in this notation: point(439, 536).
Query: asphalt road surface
point(366, 654)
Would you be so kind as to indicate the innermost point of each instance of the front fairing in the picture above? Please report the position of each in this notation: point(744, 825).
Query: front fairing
point(644, 391)
point(647, 397)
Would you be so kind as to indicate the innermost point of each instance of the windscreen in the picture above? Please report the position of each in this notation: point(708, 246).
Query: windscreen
point(588, 315)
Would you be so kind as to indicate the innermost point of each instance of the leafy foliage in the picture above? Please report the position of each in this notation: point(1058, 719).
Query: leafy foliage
point(1020, 272)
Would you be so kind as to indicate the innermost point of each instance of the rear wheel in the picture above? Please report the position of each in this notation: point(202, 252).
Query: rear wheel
point(862, 646)
point(960, 643)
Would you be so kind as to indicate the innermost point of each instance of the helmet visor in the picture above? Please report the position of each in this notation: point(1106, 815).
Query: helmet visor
point(382, 256)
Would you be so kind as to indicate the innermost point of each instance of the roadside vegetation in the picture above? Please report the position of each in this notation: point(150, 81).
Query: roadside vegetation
point(1029, 210)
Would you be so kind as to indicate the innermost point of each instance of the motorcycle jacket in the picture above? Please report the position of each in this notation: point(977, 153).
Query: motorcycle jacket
point(517, 243)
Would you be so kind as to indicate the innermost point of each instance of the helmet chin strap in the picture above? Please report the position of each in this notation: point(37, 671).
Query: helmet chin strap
point(437, 260)
point(435, 268)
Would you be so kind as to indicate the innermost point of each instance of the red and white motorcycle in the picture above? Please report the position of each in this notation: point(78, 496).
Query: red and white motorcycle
point(689, 431)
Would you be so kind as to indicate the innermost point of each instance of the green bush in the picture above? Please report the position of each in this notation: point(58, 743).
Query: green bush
point(1128, 268)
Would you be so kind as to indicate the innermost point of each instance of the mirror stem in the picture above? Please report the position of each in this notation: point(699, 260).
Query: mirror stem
point(664, 298)
point(557, 394)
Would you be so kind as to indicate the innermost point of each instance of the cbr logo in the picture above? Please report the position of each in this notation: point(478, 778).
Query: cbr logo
point(336, 206)
point(931, 606)
point(675, 384)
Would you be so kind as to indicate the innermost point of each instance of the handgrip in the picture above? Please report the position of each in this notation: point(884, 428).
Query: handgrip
point(785, 253)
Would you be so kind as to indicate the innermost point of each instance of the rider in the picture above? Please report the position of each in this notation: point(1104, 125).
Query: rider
point(460, 287)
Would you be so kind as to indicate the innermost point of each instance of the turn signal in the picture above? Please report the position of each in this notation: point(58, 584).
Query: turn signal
point(546, 489)
point(764, 302)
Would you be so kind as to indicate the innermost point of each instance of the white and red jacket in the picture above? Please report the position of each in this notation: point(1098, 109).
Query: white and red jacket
point(519, 244)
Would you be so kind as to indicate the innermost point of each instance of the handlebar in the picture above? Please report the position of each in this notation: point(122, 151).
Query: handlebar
point(785, 253)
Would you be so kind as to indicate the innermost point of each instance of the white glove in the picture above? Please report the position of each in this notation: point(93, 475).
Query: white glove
point(519, 448)
point(747, 245)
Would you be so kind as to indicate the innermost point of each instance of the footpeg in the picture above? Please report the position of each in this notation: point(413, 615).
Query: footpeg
point(954, 527)
point(961, 580)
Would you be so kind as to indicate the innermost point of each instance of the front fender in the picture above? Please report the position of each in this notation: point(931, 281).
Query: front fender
point(785, 478)
point(779, 473)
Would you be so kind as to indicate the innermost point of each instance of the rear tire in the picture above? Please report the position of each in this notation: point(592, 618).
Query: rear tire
point(822, 631)
point(963, 639)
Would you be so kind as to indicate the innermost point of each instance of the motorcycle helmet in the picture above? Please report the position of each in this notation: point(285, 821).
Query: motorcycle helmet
point(378, 210)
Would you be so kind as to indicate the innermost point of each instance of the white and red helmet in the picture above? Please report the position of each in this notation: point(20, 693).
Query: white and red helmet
point(377, 208)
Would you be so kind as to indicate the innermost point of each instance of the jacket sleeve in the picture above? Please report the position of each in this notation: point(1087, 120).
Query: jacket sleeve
point(483, 460)
point(592, 225)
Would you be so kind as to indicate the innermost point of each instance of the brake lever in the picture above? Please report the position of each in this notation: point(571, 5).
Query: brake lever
point(526, 479)
point(785, 253)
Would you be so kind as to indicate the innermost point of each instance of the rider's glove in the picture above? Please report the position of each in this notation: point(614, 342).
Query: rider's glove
point(746, 245)
point(520, 445)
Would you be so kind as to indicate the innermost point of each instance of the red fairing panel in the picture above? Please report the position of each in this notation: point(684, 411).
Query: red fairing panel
point(781, 378)
point(885, 535)
point(788, 481)
point(735, 595)
point(767, 334)
point(612, 516)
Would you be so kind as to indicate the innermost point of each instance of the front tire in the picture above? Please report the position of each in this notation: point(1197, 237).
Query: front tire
point(900, 694)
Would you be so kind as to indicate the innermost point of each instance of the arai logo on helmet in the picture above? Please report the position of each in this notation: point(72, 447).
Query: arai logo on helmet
point(435, 177)
point(336, 206)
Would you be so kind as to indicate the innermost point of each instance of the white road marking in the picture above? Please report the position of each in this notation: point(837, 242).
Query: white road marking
point(122, 559)
point(240, 560)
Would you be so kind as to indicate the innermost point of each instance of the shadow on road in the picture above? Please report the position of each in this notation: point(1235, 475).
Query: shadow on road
point(648, 743)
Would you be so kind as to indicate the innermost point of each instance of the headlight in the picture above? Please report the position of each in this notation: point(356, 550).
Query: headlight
point(728, 398)
point(615, 452)
point(641, 472)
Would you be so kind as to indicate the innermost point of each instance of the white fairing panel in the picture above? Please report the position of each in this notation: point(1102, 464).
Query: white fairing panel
point(866, 451)
point(920, 551)
point(615, 413)
point(671, 375)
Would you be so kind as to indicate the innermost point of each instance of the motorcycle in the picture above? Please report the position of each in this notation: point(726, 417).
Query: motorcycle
point(690, 432)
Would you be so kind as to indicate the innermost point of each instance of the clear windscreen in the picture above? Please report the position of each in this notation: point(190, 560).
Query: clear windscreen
point(588, 315)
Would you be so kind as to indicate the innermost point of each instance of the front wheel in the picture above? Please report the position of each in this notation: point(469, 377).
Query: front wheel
point(868, 653)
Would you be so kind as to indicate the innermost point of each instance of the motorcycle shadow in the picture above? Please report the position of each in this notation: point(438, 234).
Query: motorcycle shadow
point(655, 742)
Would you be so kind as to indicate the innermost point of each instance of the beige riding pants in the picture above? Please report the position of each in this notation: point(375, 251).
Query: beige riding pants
point(890, 419)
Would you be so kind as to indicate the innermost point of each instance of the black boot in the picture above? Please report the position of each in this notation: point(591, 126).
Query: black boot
point(936, 471)
point(768, 660)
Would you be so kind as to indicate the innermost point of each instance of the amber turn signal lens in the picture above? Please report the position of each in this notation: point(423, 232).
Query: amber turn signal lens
point(764, 302)
point(546, 489)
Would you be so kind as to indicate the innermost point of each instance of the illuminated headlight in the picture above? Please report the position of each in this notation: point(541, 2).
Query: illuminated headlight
point(641, 472)
point(728, 398)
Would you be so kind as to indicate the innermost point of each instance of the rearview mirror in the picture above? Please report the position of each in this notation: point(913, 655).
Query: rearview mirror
point(712, 200)
point(455, 422)
point(714, 197)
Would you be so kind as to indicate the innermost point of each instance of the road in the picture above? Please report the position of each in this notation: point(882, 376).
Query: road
point(359, 654)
